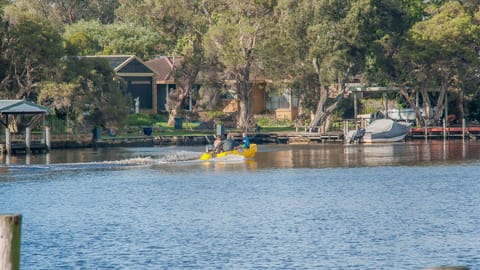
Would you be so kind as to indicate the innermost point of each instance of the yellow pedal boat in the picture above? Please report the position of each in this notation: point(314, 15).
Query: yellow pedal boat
point(246, 153)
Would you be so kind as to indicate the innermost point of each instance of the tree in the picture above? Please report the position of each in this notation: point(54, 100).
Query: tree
point(65, 12)
point(186, 23)
point(234, 40)
point(92, 37)
point(320, 45)
point(30, 50)
point(440, 53)
point(87, 94)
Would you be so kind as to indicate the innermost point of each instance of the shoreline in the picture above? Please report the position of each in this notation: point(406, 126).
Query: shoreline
point(87, 141)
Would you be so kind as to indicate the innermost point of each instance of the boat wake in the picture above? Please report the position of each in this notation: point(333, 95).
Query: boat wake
point(180, 156)
point(176, 157)
point(228, 158)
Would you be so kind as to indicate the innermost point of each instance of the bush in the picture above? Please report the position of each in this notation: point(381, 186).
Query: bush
point(271, 121)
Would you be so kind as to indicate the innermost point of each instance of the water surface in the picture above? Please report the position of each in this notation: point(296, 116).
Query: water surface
point(393, 206)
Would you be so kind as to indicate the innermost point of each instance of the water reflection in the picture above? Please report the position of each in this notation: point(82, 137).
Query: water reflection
point(270, 156)
point(409, 153)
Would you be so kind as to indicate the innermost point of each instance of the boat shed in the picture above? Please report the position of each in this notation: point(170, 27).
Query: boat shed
point(17, 107)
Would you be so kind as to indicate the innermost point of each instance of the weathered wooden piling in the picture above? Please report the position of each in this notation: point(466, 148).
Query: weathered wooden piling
point(48, 139)
point(10, 226)
point(8, 141)
point(28, 139)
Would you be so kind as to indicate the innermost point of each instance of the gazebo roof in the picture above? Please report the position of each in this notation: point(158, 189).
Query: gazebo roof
point(21, 106)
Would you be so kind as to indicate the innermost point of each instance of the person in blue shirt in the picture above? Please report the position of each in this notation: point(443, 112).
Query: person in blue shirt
point(246, 141)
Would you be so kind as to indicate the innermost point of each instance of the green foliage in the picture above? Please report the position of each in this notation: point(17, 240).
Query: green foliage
point(92, 37)
point(30, 52)
point(61, 12)
point(216, 114)
point(139, 119)
point(89, 95)
point(309, 46)
point(271, 121)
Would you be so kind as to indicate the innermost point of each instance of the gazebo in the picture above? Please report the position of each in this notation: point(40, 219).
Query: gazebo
point(13, 108)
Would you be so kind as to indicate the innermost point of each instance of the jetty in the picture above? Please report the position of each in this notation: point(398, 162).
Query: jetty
point(305, 137)
point(470, 132)
point(10, 113)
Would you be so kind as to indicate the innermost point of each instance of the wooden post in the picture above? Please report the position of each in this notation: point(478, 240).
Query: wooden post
point(385, 97)
point(48, 143)
point(354, 106)
point(28, 139)
point(8, 141)
point(10, 226)
point(444, 128)
point(426, 131)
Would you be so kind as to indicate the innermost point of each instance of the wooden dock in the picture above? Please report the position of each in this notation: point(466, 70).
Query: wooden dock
point(472, 132)
point(308, 137)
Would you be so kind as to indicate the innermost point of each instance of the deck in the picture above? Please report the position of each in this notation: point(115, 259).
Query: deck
point(472, 132)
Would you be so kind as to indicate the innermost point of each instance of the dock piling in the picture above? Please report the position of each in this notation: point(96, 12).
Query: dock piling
point(28, 139)
point(10, 226)
point(8, 141)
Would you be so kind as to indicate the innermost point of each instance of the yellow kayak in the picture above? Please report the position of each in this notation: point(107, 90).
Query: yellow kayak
point(247, 153)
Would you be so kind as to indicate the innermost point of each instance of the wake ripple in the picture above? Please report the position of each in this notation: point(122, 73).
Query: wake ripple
point(178, 157)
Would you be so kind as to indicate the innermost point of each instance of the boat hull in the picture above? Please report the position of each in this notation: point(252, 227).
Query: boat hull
point(246, 153)
point(382, 131)
point(367, 138)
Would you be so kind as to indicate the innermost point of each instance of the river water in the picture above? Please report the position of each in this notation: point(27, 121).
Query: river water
point(392, 206)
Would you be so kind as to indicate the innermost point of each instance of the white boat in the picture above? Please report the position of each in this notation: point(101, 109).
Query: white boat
point(380, 131)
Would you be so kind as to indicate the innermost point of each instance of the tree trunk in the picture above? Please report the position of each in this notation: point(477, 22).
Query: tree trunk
point(174, 104)
point(459, 105)
point(410, 98)
point(427, 107)
point(440, 102)
point(244, 109)
point(323, 112)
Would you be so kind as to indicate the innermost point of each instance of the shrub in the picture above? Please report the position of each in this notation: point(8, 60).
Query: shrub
point(271, 121)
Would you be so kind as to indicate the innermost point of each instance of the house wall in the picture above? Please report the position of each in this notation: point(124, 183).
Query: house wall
point(162, 94)
point(258, 99)
point(288, 114)
point(142, 87)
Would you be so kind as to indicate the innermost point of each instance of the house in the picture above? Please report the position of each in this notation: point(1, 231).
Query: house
point(163, 67)
point(258, 98)
point(283, 104)
point(140, 79)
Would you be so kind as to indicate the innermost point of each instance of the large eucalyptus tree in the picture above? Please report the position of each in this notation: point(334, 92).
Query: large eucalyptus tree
point(321, 45)
point(235, 41)
point(64, 12)
point(183, 25)
point(30, 51)
point(440, 55)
